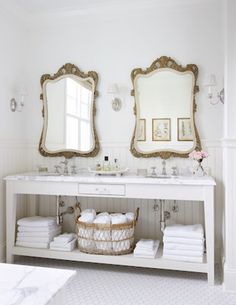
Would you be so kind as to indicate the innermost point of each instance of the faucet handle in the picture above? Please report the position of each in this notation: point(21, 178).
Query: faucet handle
point(153, 173)
point(57, 167)
point(73, 169)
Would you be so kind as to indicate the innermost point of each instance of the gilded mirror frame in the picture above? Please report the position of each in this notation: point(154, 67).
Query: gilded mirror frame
point(159, 63)
point(73, 70)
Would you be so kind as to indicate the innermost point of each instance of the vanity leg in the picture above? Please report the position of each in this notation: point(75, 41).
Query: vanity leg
point(11, 199)
point(210, 235)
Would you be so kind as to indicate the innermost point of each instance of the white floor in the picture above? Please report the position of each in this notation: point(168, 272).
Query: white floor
point(113, 285)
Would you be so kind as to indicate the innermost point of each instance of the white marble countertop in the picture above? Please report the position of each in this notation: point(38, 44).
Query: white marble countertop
point(26, 285)
point(126, 179)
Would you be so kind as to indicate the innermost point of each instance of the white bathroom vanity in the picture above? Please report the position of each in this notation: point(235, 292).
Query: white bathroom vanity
point(86, 185)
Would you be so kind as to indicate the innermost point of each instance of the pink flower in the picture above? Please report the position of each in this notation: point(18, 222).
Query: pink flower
point(198, 155)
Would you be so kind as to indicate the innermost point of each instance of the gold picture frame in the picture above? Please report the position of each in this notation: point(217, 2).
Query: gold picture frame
point(161, 129)
point(142, 130)
point(185, 130)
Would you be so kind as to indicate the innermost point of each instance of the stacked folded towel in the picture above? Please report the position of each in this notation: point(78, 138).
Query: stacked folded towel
point(64, 242)
point(146, 248)
point(36, 232)
point(184, 243)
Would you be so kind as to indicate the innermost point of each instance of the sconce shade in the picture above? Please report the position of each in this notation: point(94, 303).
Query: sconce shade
point(210, 80)
point(113, 89)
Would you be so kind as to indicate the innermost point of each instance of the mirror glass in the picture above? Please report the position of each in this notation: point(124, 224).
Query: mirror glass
point(164, 108)
point(68, 115)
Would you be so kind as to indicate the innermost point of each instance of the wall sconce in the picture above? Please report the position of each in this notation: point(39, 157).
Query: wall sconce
point(210, 83)
point(116, 102)
point(17, 104)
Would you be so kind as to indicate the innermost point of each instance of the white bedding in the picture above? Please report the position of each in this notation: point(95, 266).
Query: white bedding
point(26, 285)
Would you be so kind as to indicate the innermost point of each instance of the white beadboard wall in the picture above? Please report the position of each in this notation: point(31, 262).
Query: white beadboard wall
point(148, 224)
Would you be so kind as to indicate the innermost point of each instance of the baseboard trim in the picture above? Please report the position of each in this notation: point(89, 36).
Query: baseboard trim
point(229, 279)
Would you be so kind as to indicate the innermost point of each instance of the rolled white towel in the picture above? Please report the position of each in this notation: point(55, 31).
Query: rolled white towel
point(64, 238)
point(186, 231)
point(118, 219)
point(89, 211)
point(130, 216)
point(37, 221)
point(185, 241)
point(121, 246)
point(87, 217)
point(102, 214)
point(102, 219)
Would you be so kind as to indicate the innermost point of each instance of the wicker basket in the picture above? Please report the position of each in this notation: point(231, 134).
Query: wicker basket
point(109, 239)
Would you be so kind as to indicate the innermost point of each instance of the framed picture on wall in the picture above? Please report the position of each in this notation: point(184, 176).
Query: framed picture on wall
point(142, 130)
point(185, 132)
point(161, 129)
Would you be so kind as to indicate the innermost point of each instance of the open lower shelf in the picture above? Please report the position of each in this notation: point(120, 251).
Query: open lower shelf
point(124, 260)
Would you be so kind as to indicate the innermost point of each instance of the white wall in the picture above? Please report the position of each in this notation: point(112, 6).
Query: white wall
point(12, 128)
point(229, 147)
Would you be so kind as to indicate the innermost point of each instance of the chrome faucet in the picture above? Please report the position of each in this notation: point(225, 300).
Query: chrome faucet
point(163, 168)
point(65, 162)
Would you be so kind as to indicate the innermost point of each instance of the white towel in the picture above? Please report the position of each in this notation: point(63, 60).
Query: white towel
point(190, 231)
point(146, 244)
point(182, 252)
point(37, 221)
point(64, 238)
point(30, 239)
point(48, 229)
point(185, 241)
point(193, 259)
point(147, 253)
point(118, 219)
point(87, 217)
point(32, 245)
point(102, 214)
point(105, 219)
point(173, 246)
point(130, 216)
point(50, 233)
point(66, 247)
point(89, 211)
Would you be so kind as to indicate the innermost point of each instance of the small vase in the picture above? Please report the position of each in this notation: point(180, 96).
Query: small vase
point(199, 171)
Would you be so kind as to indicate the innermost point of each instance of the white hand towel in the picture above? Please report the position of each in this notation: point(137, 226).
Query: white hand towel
point(173, 246)
point(89, 211)
point(130, 216)
point(145, 244)
point(67, 247)
point(87, 217)
point(190, 231)
point(147, 253)
point(102, 219)
point(64, 238)
point(32, 245)
point(193, 259)
point(31, 239)
point(118, 219)
point(185, 241)
point(182, 252)
point(48, 229)
point(50, 233)
point(37, 221)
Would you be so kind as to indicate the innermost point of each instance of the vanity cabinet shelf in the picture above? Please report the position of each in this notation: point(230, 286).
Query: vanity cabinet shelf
point(181, 188)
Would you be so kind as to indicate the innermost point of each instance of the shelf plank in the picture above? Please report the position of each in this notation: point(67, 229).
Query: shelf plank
point(123, 260)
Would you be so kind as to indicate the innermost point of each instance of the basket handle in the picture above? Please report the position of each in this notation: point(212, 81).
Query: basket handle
point(137, 214)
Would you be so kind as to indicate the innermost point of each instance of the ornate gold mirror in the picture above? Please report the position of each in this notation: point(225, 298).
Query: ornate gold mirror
point(164, 108)
point(69, 113)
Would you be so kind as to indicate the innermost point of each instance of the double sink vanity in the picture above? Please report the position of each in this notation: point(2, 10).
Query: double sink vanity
point(164, 110)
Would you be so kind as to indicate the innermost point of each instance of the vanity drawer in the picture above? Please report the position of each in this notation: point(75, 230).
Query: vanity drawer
point(102, 189)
